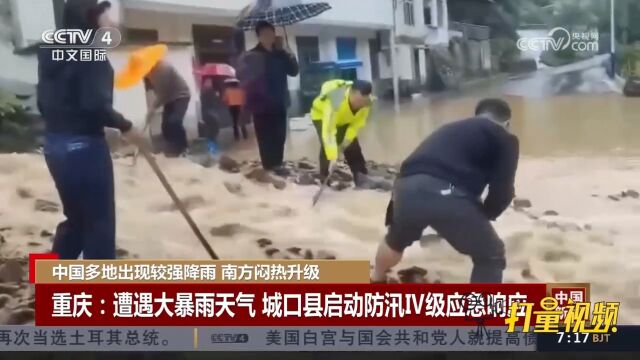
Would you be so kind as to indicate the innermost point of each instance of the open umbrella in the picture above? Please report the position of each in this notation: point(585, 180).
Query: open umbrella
point(280, 12)
point(213, 69)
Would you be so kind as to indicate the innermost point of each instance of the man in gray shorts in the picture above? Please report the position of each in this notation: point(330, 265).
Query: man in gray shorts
point(440, 186)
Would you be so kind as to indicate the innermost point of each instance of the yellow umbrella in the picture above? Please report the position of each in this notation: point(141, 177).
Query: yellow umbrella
point(140, 64)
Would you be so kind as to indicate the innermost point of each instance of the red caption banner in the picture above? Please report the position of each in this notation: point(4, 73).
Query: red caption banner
point(279, 304)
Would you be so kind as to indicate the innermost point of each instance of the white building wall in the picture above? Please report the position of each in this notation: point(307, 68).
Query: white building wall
point(173, 20)
point(30, 19)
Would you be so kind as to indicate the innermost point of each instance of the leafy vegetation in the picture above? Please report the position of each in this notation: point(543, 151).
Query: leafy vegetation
point(16, 130)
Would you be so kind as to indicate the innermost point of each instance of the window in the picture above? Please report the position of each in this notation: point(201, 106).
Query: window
point(308, 49)
point(346, 48)
point(427, 13)
point(409, 17)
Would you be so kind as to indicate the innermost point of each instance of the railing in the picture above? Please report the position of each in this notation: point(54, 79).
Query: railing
point(470, 31)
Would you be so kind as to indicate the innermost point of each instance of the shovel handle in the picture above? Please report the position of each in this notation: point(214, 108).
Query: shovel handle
point(147, 124)
point(176, 200)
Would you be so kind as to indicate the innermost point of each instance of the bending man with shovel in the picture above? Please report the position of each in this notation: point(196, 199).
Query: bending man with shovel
point(339, 113)
point(440, 186)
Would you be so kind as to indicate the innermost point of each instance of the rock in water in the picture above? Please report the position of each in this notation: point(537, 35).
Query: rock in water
point(24, 193)
point(235, 189)
point(46, 206)
point(228, 230)
point(8, 289)
point(342, 185)
point(229, 164)
point(122, 253)
point(551, 213)
point(305, 179)
point(342, 175)
point(11, 272)
point(259, 175)
point(4, 300)
point(521, 203)
point(305, 165)
point(325, 255)
point(527, 275)
point(271, 252)
point(263, 243)
point(21, 316)
point(279, 184)
point(560, 255)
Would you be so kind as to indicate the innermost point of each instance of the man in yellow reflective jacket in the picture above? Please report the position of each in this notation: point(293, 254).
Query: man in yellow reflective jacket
point(339, 113)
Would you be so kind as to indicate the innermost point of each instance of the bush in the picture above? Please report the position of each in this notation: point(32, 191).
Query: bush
point(16, 132)
point(628, 58)
point(504, 52)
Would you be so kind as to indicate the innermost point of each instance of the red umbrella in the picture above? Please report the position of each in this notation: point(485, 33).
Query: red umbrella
point(216, 70)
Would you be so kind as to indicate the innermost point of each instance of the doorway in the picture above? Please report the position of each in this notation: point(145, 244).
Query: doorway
point(417, 76)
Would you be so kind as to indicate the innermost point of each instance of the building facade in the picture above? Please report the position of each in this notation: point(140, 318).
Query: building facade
point(201, 31)
point(420, 25)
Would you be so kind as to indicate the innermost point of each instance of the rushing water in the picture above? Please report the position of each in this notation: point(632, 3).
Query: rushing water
point(574, 112)
point(566, 113)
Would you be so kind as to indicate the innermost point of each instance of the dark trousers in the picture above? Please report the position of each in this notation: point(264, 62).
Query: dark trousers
point(271, 133)
point(172, 126)
point(418, 203)
point(236, 111)
point(352, 154)
point(82, 170)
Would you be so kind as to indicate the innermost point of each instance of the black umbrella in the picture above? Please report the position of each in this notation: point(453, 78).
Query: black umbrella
point(279, 12)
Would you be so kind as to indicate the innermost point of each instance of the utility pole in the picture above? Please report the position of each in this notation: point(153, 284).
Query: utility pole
point(394, 62)
point(613, 39)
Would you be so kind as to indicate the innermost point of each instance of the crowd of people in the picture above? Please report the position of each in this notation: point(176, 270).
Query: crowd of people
point(440, 185)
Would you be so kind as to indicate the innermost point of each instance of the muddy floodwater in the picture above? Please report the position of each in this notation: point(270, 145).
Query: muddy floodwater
point(571, 113)
point(580, 170)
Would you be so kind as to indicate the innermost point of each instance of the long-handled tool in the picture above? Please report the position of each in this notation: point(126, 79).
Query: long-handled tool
point(147, 124)
point(323, 186)
point(156, 169)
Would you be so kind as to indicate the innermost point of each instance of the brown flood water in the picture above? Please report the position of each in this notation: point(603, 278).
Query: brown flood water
point(571, 125)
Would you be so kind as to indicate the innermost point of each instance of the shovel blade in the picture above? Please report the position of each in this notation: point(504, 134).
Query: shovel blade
point(317, 196)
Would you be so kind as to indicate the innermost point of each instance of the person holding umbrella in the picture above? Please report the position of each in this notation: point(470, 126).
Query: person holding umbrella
point(76, 102)
point(170, 91)
point(269, 97)
point(263, 71)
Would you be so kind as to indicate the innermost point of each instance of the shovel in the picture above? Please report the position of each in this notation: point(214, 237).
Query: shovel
point(176, 200)
point(147, 123)
point(317, 196)
point(324, 185)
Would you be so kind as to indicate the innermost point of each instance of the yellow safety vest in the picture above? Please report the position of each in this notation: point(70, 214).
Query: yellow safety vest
point(333, 109)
